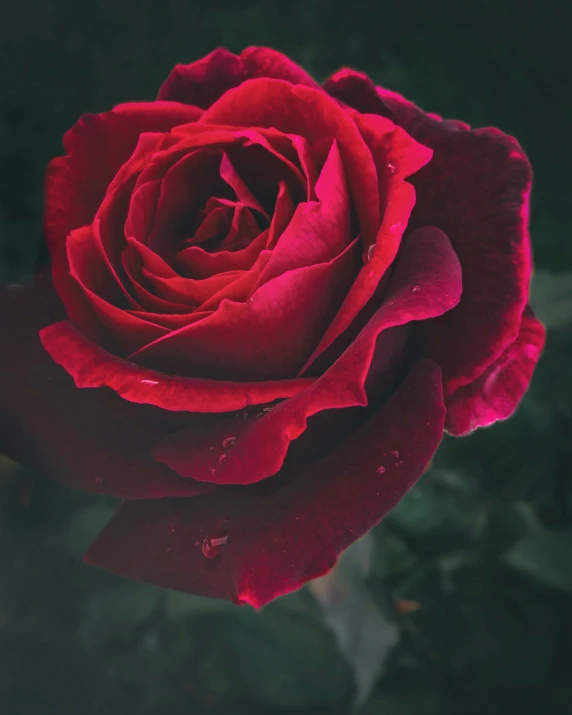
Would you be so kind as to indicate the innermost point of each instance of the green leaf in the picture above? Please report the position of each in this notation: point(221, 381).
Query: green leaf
point(116, 611)
point(85, 526)
point(441, 504)
point(546, 556)
point(392, 556)
point(551, 298)
point(409, 698)
point(183, 605)
point(285, 660)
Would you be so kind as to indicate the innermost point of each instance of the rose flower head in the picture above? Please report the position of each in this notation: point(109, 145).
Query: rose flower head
point(267, 301)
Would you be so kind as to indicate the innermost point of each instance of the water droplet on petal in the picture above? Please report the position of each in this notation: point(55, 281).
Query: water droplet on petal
point(391, 168)
point(229, 441)
point(98, 480)
point(415, 289)
point(370, 252)
point(394, 453)
point(212, 471)
point(213, 546)
point(222, 459)
point(149, 382)
point(380, 469)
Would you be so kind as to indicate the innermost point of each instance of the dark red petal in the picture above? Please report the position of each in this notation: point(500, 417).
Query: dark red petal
point(87, 439)
point(197, 261)
point(278, 541)
point(91, 366)
point(202, 82)
point(319, 230)
point(396, 157)
point(356, 90)
point(97, 146)
point(426, 284)
point(243, 194)
point(476, 189)
point(142, 208)
point(310, 113)
point(496, 393)
point(187, 184)
point(268, 337)
point(118, 328)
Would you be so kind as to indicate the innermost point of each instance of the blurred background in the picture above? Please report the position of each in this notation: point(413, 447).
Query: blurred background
point(459, 603)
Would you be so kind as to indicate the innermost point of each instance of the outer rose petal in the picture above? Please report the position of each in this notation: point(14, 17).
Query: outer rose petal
point(92, 366)
point(427, 283)
point(496, 393)
point(476, 189)
point(87, 439)
point(279, 540)
point(202, 82)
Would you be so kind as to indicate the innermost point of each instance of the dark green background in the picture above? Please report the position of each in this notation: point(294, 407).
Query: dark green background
point(483, 543)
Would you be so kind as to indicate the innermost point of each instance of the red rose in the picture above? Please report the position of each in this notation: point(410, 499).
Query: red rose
point(282, 294)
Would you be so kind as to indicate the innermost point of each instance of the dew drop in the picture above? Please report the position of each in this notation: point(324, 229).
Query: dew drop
point(391, 168)
point(149, 382)
point(394, 453)
point(380, 469)
point(213, 546)
point(212, 471)
point(98, 480)
point(222, 459)
point(370, 252)
point(415, 289)
point(263, 412)
point(229, 441)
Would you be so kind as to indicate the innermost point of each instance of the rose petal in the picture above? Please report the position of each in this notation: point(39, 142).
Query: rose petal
point(122, 331)
point(310, 113)
point(319, 230)
point(268, 337)
point(87, 439)
point(497, 392)
point(476, 189)
point(427, 283)
point(91, 366)
point(97, 146)
point(75, 184)
point(202, 82)
point(243, 194)
point(196, 261)
point(278, 540)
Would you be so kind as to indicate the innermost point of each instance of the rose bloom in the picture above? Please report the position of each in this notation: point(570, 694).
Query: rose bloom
point(268, 299)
